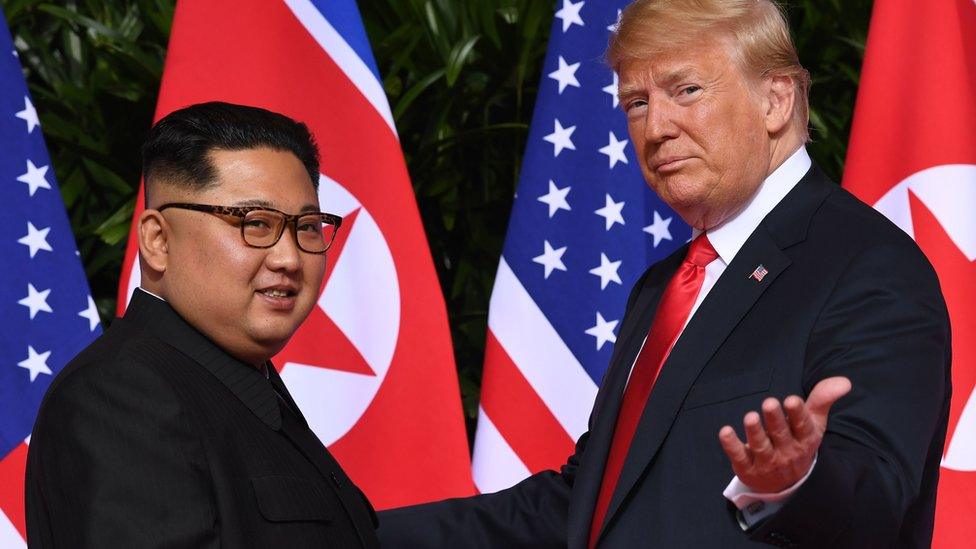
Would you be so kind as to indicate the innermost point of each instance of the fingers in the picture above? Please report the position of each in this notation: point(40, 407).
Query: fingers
point(759, 444)
point(799, 418)
point(776, 427)
point(825, 394)
point(734, 448)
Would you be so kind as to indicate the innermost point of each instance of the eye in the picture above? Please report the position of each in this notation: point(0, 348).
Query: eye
point(634, 104)
point(689, 90)
point(256, 223)
point(310, 226)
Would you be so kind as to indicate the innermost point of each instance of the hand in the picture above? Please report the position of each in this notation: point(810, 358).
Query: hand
point(777, 457)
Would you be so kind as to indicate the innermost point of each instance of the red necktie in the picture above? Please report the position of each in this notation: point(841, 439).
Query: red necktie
point(672, 313)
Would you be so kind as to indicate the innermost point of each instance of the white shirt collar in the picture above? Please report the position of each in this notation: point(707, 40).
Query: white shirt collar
point(150, 293)
point(728, 238)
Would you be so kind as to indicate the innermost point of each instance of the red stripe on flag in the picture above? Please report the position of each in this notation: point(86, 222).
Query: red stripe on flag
point(518, 413)
point(12, 470)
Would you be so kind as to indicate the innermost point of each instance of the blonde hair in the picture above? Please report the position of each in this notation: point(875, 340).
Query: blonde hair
point(758, 29)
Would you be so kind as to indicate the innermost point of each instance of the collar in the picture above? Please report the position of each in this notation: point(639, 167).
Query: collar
point(729, 237)
point(150, 293)
point(249, 385)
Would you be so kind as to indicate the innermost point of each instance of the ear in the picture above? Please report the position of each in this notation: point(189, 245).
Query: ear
point(153, 233)
point(780, 96)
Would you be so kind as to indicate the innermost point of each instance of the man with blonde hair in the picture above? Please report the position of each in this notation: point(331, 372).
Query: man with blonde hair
point(791, 289)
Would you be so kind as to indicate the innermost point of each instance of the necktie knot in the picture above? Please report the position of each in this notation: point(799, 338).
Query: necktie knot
point(701, 252)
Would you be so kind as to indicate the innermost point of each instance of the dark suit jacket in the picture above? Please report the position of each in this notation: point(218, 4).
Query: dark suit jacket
point(155, 437)
point(847, 293)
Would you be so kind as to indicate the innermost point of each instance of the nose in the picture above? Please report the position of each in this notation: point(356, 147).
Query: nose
point(659, 123)
point(285, 255)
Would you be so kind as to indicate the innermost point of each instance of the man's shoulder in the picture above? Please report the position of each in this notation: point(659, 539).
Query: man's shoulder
point(119, 359)
point(851, 227)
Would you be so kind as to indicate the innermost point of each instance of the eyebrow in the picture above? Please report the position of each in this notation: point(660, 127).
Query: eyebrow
point(310, 208)
point(664, 79)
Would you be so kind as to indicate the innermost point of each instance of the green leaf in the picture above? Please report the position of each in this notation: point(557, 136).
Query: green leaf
point(459, 56)
point(404, 103)
point(116, 228)
point(81, 20)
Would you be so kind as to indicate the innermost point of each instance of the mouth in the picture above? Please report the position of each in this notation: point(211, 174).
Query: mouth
point(669, 164)
point(280, 298)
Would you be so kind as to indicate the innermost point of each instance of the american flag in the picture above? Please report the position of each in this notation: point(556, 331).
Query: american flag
point(46, 311)
point(759, 273)
point(584, 227)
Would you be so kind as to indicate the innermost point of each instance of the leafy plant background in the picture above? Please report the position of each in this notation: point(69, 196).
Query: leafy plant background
point(461, 76)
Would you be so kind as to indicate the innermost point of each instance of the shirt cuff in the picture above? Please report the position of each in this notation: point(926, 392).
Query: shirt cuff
point(756, 506)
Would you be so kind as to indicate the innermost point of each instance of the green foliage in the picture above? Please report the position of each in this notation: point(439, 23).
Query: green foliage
point(461, 77)
point(93, 69)
point(830, 37)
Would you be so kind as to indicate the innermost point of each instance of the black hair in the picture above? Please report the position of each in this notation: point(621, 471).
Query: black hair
point(177, 149)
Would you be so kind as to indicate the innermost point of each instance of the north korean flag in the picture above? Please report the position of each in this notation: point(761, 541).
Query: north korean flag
point(912, 155)
point(372, 368)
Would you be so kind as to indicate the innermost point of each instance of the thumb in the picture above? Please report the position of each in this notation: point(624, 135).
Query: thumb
point(825, 394)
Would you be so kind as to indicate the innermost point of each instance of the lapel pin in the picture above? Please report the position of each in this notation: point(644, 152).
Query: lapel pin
point(759, 273)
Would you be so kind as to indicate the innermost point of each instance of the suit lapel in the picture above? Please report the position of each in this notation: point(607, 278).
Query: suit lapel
point(243, 380)
point(608, 401)
point(730, 299)
point(296, 428)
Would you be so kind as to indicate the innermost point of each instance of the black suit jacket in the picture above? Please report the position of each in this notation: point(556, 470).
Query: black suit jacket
point(155, 437)
point(847, 293)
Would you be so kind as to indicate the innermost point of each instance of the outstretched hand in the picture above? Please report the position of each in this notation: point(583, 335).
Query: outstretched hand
point(779, 455)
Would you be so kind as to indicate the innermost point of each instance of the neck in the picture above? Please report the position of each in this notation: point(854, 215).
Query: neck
point(782, 148)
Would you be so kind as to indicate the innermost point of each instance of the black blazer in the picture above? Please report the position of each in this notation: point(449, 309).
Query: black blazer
point(155, 437)
point(847, 293)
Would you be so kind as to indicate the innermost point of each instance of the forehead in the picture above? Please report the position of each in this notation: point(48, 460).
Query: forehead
point(698, 58)
point(261, 176)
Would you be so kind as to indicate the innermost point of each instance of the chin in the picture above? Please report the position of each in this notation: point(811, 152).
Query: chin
point(274, 337)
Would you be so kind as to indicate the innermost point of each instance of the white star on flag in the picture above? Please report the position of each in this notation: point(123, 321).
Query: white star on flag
point(29, 115)
point(91, 314)
point(555, 198)
point(570, 14)
point(551, 259)
point(35, 177)
point(565, 74)
point(36, 239)
point(607, 271)
point(36, 301)
point(36, 363)
point(660, 229)
point(611, 212)
point(612, 88)
point(603, 331)
point(615, 150)
point(561, 138)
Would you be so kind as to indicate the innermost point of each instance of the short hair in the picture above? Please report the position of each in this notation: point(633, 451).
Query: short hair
point(177, 149)
point(758, 28)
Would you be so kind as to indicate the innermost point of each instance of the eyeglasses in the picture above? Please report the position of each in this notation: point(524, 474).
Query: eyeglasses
point(262, 227)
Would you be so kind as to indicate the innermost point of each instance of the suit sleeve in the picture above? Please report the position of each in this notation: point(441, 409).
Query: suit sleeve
point(885, 327)
point(114, 462)
point(531, 514)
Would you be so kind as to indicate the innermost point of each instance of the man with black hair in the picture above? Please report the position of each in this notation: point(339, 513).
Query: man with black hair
point(173, 429)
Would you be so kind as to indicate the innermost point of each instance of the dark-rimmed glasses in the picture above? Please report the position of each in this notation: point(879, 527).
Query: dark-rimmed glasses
point(262, 227)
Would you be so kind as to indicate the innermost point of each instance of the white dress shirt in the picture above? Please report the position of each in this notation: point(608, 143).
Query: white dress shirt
point(727, 239)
